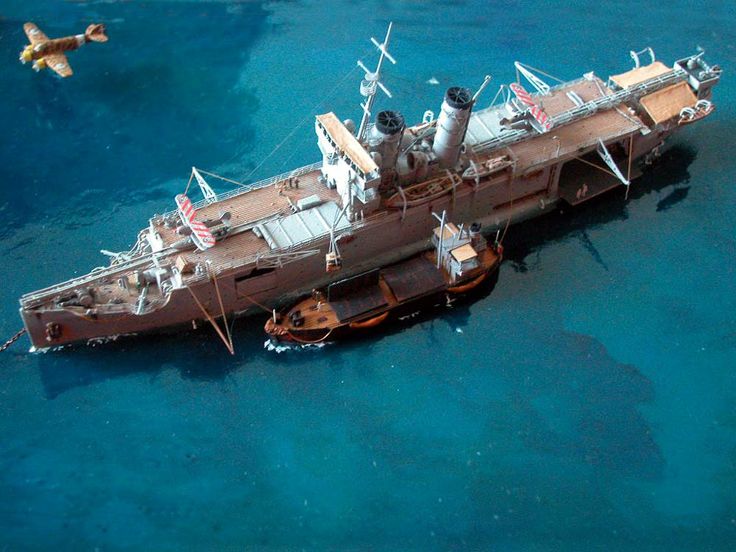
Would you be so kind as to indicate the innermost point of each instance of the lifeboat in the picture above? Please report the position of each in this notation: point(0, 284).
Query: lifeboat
point(700, 110)
point(481, 170)
point(422, 192)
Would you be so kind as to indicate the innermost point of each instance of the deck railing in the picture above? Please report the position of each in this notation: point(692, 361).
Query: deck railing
point(245, 188)
point(138, 262)
point(587, 109)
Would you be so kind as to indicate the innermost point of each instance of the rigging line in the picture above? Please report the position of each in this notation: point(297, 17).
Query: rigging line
point(307, 118)
point(189, 183)
point(628, 171)
point(542, 73)
point(223, 178)
point(596, 166)
point(232, 324)
point(508, 222)
point(600, 88)
point(500, 89)
point(291, 155)
point(256, 303)
point(222, 307)
point(624, 115)
point(627, 117)
point(294, 151)
point(211, 321)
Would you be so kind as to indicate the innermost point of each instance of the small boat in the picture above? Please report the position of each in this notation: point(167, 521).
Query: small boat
point(424, 191)
point(702, 109)
point(486, 168)
point(367, 300)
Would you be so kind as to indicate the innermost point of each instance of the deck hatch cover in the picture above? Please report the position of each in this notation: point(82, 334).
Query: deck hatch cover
point(302, 226)
point(354, 296)
point(413, 278)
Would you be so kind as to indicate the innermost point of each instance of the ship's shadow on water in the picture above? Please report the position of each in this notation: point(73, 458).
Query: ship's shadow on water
point(195, 355)
point(199, 355)
point(671, 170)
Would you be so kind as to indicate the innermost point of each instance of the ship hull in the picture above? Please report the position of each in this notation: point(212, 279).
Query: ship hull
point(273, 245)
point(375, 299)
point(399, 236)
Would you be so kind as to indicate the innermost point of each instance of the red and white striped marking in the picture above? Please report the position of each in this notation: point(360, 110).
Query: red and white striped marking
point(536, 111)
point(521, 93)
point(201, 235)
point(541, 117)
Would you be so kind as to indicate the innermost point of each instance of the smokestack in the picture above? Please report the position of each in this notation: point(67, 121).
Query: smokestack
point(386, 137)
point(451, 125)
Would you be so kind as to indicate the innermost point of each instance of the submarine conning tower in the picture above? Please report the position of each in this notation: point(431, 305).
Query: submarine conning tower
point(452, 124)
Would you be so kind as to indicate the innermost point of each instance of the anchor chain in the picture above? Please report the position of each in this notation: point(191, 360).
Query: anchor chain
point(12, 340)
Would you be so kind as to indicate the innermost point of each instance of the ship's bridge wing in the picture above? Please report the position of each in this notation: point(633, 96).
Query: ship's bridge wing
point(342, 139)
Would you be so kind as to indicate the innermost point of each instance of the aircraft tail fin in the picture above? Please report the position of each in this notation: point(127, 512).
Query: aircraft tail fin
point(95, 33)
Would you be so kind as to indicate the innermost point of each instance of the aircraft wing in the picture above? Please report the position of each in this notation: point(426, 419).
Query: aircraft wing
point(34, 34)
point(59, 64)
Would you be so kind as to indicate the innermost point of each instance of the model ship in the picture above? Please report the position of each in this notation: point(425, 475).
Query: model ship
point(368, 203)
point(459, 261)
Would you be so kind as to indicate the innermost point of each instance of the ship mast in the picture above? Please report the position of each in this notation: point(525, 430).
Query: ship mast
point(372, 81)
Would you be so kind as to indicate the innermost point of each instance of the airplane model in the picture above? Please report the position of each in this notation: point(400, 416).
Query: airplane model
point(45, 52)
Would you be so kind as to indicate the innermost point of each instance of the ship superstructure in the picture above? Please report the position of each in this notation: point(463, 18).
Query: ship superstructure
point(368, 202)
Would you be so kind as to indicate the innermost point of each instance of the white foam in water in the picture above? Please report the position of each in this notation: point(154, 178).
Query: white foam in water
point(44, 350)
point(103, 340)
point(282, 347)
point(409, 316)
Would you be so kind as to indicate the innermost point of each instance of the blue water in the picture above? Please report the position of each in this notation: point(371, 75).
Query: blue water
point(587, 402)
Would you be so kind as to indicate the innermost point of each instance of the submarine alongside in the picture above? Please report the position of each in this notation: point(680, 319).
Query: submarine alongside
point(368, 203)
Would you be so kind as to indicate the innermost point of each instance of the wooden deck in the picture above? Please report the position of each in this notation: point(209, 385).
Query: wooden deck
point(257, 204)
point(244, 208)
point(247, 209)
point(569, 140)
point(277, 199)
